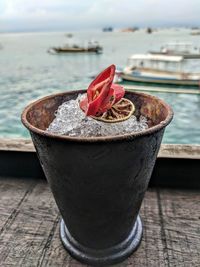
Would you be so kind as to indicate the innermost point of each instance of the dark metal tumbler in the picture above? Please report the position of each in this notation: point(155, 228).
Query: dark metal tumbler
point(99, 182)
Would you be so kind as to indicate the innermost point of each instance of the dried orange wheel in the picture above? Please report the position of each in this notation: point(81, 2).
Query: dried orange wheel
point(120, 111)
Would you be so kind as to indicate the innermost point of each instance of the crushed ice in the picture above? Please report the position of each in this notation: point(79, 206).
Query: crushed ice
point(70, 120)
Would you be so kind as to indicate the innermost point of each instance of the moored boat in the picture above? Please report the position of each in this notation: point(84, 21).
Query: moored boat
point(107, 29)
point(159, 69)
point(92, 47)
point(196, 32)
point(186, 50)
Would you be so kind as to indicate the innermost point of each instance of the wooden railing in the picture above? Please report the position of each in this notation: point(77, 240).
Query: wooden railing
point(166, 150)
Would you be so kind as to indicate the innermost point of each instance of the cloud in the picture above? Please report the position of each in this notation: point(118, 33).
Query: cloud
point(26, 9)
point(90, 14)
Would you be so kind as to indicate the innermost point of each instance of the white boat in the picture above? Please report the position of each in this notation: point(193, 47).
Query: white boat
point(159, 69)
point(187, 50)
point(197, 32)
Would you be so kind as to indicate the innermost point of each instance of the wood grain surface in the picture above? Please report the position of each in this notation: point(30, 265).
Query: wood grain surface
point(29, 227)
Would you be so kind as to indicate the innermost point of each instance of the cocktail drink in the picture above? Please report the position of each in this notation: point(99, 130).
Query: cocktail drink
point(98, 149)
point(103, 111)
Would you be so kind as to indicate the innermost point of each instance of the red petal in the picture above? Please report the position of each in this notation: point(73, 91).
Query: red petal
point(99, 89)
point(119, 91)
point(107, 73)
point(101, 93)
point(108, 101)
point(95, 105)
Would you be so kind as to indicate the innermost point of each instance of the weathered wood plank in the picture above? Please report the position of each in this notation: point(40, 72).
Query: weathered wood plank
point(179, 151)
point(23, 242)
point(16, 144)
point(150, 252)
point(180, 211)
point(12, 194)
point(166, 150)
point(56, 255)
point(31, 238)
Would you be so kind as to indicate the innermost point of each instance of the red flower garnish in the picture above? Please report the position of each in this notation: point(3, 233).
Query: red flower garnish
point(102, 94)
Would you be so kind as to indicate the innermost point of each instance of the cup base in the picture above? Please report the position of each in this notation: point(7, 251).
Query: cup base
point(102, 257)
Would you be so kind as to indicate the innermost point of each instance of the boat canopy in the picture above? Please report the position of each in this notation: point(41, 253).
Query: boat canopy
point(161, 58)
point(178, 44)
point(179, 47)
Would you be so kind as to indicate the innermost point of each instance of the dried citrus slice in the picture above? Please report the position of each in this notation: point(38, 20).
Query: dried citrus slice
point(120, 111)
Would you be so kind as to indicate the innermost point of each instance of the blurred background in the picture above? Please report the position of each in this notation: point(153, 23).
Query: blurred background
point(52, 46)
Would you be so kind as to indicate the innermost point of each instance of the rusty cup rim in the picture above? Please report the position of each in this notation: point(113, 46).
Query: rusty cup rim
point(108, 138)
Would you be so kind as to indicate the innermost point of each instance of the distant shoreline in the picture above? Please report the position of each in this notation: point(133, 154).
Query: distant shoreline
point(86, 30)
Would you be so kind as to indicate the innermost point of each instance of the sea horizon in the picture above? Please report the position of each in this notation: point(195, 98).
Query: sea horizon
point(28, 72)
point(46, 30)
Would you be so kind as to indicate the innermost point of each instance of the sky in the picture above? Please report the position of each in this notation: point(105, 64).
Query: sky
point(20, 15)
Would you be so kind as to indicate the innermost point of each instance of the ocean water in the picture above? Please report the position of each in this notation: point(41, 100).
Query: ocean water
point(28, 72)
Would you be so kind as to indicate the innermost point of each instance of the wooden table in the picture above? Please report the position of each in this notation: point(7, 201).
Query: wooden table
point(29, 227)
